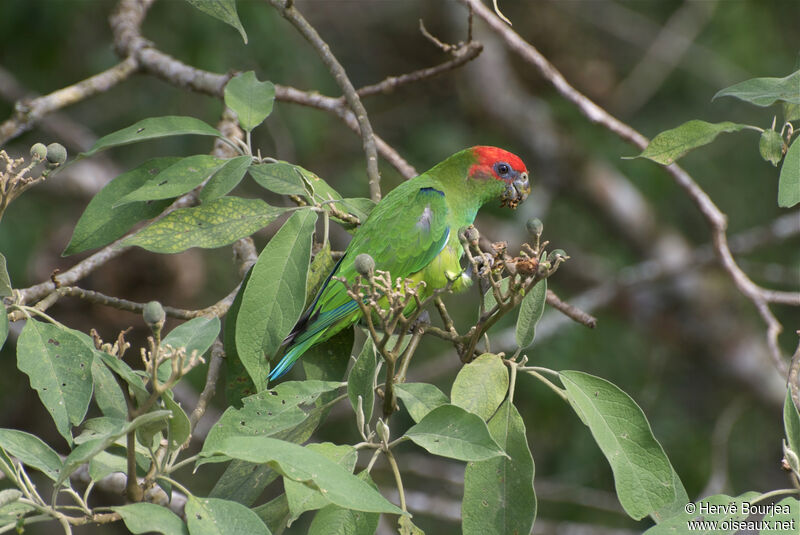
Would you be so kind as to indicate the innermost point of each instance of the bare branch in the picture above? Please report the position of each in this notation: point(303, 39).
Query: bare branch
point(291, 14)
point(572, 312)
point(715, 218)
point(28, 112)
point(210, 388)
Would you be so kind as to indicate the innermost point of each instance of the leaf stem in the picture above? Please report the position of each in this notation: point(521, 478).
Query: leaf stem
point(397, 478)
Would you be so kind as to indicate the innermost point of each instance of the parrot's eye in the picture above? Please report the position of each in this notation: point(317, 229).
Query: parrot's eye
point(502, 169)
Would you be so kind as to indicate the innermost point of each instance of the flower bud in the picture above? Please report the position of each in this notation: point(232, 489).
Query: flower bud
point(557, 254)
point(364, 264)
point(383, 430)
point(39, 151)
point(56, 154)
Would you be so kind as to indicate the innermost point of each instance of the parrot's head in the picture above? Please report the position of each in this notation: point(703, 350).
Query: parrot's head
point(492, 163)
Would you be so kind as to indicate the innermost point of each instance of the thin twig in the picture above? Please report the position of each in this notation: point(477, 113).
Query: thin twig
point(210, 388)
point(571, 311)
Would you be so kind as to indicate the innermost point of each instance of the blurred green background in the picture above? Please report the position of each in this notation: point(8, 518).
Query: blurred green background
point(687, 346)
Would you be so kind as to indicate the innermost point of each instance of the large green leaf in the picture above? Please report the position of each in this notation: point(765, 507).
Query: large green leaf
point(269, 412)
point(530, 312)
point(149, 517)
point(275, 295)
point(498, 493)
point(212, 516)
point(782, 518)
point(179, 178)
point(250, 99)
point(450, 431)
point(275, 513)
point(765, 91)
point(791, 426)
point(101, 224)
point(107, 393)
point(238, 384)
point(419, 398)
point(153, 128)
point(333, 519)
point(224, 10)
point(282, 178)
point(305, 465)
point(672, 144)
point(302, 498)
point(5, 281)
point(3, 324)
point(58, 363)
point(197, 334)
point(480, 387)
point(210, 225)
point(179, 425)
point(643, 475)
point(31, 451)
point(789, 180)
point(721, 513)
point(770, 146)
point(227, 178)
point(362, 379)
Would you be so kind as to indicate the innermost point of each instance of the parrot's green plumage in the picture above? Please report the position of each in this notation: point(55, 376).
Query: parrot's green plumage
point(412, 233)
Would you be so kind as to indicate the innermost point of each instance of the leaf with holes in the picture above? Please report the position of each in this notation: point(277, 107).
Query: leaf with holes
point(58, 363)
point(153, 128)
point(275, 295)
point(450, 431)
point(643, 475)
point(213, 224)
point(179, 178)
point(212, 516)
point(101, 224)
point(672, 144)
point(250, 99)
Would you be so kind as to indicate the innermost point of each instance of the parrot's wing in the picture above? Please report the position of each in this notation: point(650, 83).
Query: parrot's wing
point(402, 236)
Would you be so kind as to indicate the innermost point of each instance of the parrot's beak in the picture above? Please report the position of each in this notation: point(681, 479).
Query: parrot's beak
point(516, 191)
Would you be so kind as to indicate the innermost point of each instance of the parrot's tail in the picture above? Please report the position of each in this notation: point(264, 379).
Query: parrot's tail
point(288, 360)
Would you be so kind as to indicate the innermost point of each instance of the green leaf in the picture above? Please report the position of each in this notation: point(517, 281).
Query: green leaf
point(789, 180)
point(5, 281)
point(149, 517)
point(250, 99)
point(124, 371)
point(179, 426)
point(104, 464)
point(224, 10)
point(328, 360)
point(480, 387)
point(333, 520)
point(179, 178)
point(238, 384)
point(282, 178)
point(720, 510)
point(12, 513)
point(450, 431)
point(213, 224)
point(88, 449)
point(212, 516)
point(530, 312)
point(275, 513)
point(362, 379)
point(304, 465)
point(58, 364)
point(782, 518)
point(642, 473)
point(770, 146)
point(765, 91)
point(3, 324)
point(31, 451)
point(318, 272)
point(197, 334)
point(672, 144)
point(360, 207)
point(791, 112)
point(100, 224)
point(488, 298)
point(153, 128)
point(8, 496)
point(275, 295)
point(791, 425)
point(243, 482)
point(268, 413)
point(227, 178)
point(498, 493)
point(419, 398)
point(107, 393)
point(302, 498)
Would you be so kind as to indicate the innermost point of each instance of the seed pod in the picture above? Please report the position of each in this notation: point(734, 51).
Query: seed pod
point(56, 154)
point(39, 151)
point(154, 315)
point(535, 227)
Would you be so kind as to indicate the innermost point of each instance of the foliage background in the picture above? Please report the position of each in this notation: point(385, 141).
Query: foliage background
point(689, 348)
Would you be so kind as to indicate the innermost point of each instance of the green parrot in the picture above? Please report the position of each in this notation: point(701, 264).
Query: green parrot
point(412, 233)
